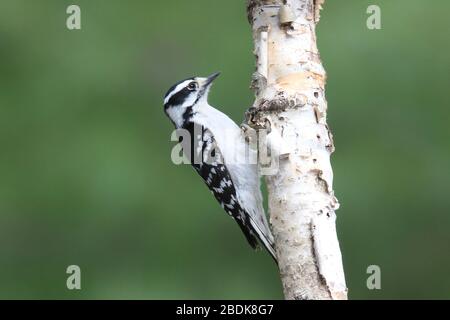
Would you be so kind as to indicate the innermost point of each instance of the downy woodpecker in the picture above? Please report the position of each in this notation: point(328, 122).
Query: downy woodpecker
point(218, 151)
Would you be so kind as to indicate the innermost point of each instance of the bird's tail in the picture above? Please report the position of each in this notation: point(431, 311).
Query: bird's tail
point(266, 238)
point(253, 232)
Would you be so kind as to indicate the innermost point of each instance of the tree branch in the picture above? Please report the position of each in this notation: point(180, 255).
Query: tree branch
point(289, 84)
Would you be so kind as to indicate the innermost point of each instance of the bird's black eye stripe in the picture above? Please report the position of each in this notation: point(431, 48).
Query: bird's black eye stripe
point(179, 97)
point(175, 85)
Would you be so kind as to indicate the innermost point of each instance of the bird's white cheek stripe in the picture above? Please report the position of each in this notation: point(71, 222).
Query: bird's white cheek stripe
point(177, 89)
point(176, 116)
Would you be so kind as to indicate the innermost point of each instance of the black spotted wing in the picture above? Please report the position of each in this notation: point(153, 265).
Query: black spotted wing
point(207, 160)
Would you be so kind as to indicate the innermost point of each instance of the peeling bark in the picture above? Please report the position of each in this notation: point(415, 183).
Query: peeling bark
point(289, 85)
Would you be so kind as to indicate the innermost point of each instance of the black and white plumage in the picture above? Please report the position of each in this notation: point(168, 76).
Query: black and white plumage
point(219, 153)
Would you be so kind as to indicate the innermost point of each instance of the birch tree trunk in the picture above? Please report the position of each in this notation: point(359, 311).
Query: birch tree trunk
point(290, 103)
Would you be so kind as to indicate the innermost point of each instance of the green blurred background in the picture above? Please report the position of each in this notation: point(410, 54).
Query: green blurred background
point(85, 170)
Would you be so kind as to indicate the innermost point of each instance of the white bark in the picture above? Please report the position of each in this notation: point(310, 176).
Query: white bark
point(290, 102)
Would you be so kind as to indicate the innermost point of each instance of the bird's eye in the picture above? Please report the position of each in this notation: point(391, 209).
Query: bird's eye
point(192, 86)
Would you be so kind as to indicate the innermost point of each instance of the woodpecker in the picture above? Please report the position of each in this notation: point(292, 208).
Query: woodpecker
point(219, 152)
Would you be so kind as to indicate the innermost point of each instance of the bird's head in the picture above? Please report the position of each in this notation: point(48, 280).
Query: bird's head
point(184, 97)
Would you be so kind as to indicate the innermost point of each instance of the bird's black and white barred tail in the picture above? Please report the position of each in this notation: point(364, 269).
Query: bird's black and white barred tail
point(206, 159)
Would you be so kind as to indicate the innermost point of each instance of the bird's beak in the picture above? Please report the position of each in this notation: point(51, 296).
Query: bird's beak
point(210, 79)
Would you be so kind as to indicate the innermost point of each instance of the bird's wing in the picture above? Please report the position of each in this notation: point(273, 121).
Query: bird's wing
point(206, 158)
